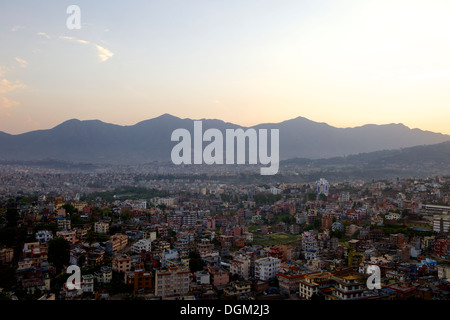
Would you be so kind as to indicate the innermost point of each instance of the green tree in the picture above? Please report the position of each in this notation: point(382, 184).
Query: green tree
point(59, 253)
point(70, 209)
point(12, 216)
point(195, 262)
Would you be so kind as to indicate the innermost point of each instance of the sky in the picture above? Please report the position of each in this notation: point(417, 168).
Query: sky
point(346, 63)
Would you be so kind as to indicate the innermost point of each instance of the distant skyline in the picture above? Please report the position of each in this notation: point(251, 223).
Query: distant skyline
point(346, 63)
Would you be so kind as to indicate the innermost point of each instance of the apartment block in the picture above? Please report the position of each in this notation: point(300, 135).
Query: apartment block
point(68, 235)
point(121, 263)
point(172, 282)
point(6, 255)
point(101, 227)
point(140, 279)
point(142, 245)
point(219, 276)
point(240, 266)
point(44, 236)
point(267, 268)
point(116, 243)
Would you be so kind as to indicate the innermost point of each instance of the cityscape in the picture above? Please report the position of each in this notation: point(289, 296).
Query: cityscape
point(178, 237)
point(199, 158)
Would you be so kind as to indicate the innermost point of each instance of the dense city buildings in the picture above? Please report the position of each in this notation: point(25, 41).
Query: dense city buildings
point(182, 238)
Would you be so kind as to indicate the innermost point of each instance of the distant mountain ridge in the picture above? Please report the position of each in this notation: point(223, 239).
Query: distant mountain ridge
point(150, 140)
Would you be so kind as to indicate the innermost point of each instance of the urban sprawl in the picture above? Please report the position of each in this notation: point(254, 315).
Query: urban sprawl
point(199, 239)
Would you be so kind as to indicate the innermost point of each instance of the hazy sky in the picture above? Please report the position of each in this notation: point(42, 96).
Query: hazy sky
point(346, 63)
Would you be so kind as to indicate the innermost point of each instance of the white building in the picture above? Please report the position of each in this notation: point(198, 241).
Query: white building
point(275, 190)
point(301, 217)
point(309, 245)
point(44, 236)
point(441, 223)
point(104, 275)
point(267, 268)
point(87, 283)
point(142, 245)
point(166, 201)
point(202, 277)
point(393, 216)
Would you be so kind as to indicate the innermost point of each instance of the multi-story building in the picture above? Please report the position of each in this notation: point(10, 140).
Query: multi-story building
point(6, 255)
point(202, 277)
point(34, 254)
point(441, 223)
point(219, 277)
point(104, 275)
point(172, 282)
point(148, 234)
point(63, 223)
point(116, 243)
point(168, 202)
point(346, 287)
point(121, 263)
point(310, 245)
point(87, 283)
point(312, 283)
point(44, 236)
point(289, 281)
point(267, 268)
point(237, 288)
point(240, 266)
point(140, 279)
point(142, 245)
point(101, 227)
point(68, 235)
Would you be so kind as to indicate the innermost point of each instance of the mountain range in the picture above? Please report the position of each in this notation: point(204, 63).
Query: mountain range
point(150, 140)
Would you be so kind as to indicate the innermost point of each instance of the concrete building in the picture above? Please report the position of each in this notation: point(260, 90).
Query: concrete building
point(267, 268)
point(172, 282)
point(44, 236)
point(441, 223)
point(142, 245)
point(140, 279)
point(219, 277)
point(240, 266)
point(101, 227)
point(121, 263)
point(68, 235)
point(116, 243)
point(310, 245)
point(63, 223)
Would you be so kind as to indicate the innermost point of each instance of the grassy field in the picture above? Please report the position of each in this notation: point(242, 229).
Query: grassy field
point(275, 238)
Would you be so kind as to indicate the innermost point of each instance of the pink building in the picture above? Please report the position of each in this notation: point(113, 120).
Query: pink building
point(219, 277)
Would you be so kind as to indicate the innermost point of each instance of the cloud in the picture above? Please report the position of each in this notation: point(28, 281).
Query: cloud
point(43, 34)
point(103, 53)
point(23, 63)
point(6, 103)
point(8, 86)
point(72, 39)
point(15, 28)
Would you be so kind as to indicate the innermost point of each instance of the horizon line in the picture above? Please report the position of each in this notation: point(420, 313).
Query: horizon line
point(216, 119)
